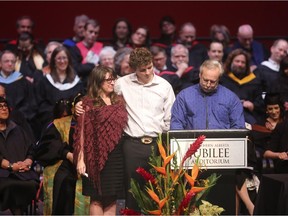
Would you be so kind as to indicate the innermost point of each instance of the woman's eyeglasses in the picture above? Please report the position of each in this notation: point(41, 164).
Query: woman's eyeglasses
point(110, 80)
point(60, 59)
point(2, 106)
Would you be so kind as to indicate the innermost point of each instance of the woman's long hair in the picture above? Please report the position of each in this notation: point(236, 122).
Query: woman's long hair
point(129, 26)
point(96, 78)
point(69, 71)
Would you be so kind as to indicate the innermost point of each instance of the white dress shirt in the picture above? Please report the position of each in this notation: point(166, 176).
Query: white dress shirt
point(148, 105)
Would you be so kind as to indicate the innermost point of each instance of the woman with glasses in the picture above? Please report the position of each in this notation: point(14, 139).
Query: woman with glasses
point(97, 144)
point(18, 182)
point(61, 83)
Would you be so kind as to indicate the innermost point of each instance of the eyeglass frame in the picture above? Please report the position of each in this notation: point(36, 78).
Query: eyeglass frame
point(4, 105)
point(60, 59)
point(109, 80)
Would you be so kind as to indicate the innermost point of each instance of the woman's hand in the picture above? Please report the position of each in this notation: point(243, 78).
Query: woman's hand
point(69, 156)
point(25, 165)
point(79, 109)
point(81, 167)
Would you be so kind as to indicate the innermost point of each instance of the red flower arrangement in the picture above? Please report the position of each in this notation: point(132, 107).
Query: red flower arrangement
point(169, 189)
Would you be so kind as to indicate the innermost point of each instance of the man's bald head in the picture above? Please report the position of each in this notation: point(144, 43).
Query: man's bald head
point(245, 36)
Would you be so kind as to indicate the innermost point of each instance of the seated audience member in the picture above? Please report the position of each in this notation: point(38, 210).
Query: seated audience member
point(30, 58)
point(106, 56)
point(280, 85)
point(247, 43)
point(215, 51)
point(78, 29)
point(274, 115)
point(85, 54)
point(245, 84)
point(48, 52)
point(221, 34)
point(18, 117)
point(62, 82)
point(54, 151)
point(268, 71)
point(278, 147)
point(180, 75)
point(121, 61)
point(121, 33)
point(140, 38)
point(197, 51)
point(18, 181)
point(168, 35)
point(23, 24)
point(261, 132)
point(19, 91)
point(159, 59)
point(207, 105)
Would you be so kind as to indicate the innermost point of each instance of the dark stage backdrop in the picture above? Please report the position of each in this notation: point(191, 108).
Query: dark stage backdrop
point(54, 19)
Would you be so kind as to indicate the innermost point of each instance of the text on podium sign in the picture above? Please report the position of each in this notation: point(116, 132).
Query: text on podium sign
point(214, 153)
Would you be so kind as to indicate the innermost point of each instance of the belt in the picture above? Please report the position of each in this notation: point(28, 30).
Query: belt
point(147, 140)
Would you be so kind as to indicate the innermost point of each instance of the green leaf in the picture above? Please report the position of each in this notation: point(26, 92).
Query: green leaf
point(143, 199)
point(212, 179)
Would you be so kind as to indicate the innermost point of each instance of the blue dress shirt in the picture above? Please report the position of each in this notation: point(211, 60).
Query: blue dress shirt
point(194, 109)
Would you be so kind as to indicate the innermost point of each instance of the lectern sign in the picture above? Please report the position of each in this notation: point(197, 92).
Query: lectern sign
point(215, 153)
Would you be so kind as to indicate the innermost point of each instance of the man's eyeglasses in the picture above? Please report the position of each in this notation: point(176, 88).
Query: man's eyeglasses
point(2, 106)
point(211, 82)
point(61, 59)
point(110, 80)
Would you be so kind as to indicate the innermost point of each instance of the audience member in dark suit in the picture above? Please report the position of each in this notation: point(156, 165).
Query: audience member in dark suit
point(197, 51)
point(244, 83)
point(180, 75)
point(254, 48)
point(281, 84)
point(268, 71)
point(19, 91)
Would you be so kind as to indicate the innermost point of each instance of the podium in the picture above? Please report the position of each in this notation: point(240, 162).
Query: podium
point(222, 152)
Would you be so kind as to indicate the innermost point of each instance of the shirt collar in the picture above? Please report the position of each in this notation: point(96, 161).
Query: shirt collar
point(155, 80)
point(271, 64)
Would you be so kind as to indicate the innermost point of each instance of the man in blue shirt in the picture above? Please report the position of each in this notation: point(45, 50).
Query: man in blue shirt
point(207, 105)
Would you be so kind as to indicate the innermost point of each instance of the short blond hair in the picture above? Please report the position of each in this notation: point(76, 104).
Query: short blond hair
point(212, 64)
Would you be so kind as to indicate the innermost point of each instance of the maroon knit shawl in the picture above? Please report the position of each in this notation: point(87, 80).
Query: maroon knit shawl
point(98, 130)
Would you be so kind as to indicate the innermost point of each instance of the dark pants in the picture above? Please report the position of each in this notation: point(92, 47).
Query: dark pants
point(136, 154)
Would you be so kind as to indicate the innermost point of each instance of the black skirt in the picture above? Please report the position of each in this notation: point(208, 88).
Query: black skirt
point(111, 177)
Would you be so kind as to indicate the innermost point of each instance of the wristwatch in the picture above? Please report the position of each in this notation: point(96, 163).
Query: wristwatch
point(10, 167)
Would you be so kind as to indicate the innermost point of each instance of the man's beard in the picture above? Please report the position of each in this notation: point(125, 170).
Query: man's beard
point(238, 71)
